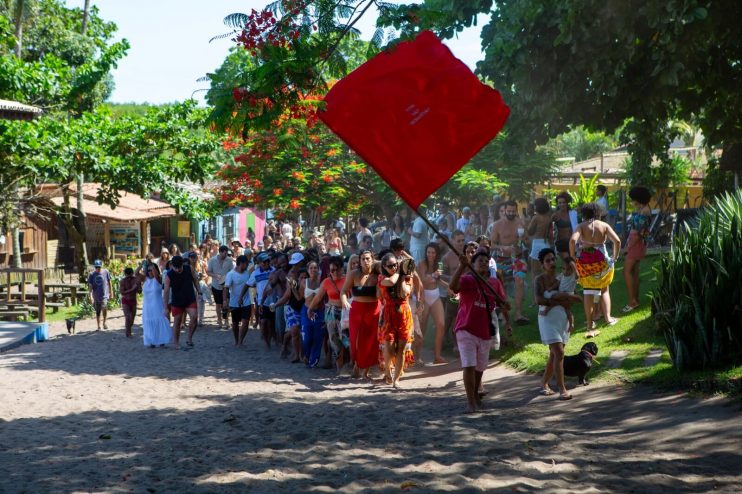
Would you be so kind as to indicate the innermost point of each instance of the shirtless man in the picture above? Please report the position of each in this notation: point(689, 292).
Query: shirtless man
point(508, 240)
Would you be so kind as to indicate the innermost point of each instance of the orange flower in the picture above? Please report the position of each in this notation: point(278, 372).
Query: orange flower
point(294, 204)
point(277, 191)
point(298, 175)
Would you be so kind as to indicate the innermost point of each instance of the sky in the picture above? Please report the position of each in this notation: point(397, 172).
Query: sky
point(170, 47)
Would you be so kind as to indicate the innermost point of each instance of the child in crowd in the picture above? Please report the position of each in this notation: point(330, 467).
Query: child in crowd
point(566, 290)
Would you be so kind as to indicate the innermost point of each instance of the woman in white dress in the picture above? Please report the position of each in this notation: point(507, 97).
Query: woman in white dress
point(155, 326)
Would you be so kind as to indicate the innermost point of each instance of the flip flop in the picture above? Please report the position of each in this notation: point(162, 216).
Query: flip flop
point(628, 308)
point(546, 392)
point(522, 321)
point(592, 334)
point(612, 322)
point(565, 397)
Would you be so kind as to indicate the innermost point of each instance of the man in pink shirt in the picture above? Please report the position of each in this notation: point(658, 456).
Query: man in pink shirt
point(473, 335)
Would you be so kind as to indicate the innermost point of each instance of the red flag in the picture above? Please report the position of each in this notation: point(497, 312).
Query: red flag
point(416, 114)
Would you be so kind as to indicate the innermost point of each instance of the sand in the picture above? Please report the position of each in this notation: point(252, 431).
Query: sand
point(95, 412)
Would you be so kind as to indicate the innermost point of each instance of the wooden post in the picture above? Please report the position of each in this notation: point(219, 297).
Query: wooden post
point(107, 239)
point(23, 287)
point(42, 297)
point(7, 294)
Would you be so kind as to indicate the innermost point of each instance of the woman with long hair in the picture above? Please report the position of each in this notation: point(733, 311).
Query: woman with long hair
point(330, 287)
point(399, 230)
point(563, 223)
point(155, 326)
point(594, 267)
point(429, 271)
point(163, 260)
point(395, 288)
point(334, 244)
point(174, 250)
point(636, 245)
point(364, 314)
point(312, 329)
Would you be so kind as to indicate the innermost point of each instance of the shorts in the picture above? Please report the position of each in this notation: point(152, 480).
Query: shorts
point(281, 319)
point(176, 311)
point(240, 313)
point(537, 245)
point(267, 315)
point(473, 351)
point(292, 317)
point(218, 295)
point(99, 305)
point(131, 304)
point(638, 250)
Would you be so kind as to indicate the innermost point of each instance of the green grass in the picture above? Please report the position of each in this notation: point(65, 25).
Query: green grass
point(635, 332)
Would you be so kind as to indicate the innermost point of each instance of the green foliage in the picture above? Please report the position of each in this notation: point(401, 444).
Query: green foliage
point(698, 302)
point(60, 69)
point(570, 63)
point(581, 144)
point(585, 191)
point(143, 155)
point(717, 181)
point(471, 186)
point(668, 172)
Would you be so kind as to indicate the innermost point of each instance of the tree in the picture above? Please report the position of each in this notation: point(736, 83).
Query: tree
point(633, 64)
point(298, 164)
point(581, 144)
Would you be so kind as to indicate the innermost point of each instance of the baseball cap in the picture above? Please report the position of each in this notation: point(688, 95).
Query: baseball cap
point(296, 258)
point(98, 263)
point(263, 257)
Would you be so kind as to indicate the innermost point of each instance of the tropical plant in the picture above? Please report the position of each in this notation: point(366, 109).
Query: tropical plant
point(585, 191)
point(698, 302)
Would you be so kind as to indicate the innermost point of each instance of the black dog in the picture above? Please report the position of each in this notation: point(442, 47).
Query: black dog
point(579, 365)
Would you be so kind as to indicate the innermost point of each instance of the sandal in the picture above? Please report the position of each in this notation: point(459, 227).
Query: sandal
point(592, 334)
point(546, 392)
point(565, 396)
point(628, 308)
point(612, 322)
point(522, 321)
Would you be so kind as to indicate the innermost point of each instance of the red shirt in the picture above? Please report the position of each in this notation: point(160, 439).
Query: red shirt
point(333, 289)
point(473, 316)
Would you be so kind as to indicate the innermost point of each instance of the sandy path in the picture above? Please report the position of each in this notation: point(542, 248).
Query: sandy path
point(95, 412)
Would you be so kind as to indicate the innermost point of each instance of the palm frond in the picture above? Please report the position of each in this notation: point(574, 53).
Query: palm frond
point(237, 20)
point(276, 7)
point(223, 35)
point(378, 38)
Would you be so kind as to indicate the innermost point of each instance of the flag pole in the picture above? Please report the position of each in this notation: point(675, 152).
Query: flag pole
point(458, 254)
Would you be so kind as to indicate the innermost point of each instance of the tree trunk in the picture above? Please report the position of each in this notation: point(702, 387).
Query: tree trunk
point(81, 217)
point(85, 17)
point(19, 8)
point(16, 234)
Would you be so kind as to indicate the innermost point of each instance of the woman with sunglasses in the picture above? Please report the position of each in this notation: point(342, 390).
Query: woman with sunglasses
point(330, 287)
point(395, 288)
point(364, 314)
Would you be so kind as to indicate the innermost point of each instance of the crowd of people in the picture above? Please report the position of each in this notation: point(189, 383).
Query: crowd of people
point(361, 298)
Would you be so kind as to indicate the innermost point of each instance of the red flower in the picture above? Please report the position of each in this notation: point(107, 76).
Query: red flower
point(294, 204)
point(277, 191)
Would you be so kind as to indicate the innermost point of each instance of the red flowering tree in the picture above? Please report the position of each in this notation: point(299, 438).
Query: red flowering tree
point(280, 156)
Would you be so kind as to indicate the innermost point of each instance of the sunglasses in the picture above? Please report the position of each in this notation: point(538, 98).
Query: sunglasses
point(390, 266)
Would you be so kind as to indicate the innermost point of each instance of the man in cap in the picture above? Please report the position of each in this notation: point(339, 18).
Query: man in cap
point(181, 280)
point(259, 279)
point(100, 291)
point(217, 269)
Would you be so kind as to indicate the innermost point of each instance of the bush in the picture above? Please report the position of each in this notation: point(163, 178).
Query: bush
point(698, 303)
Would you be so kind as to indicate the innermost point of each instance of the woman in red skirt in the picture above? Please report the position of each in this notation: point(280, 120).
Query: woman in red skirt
point(364, 314)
